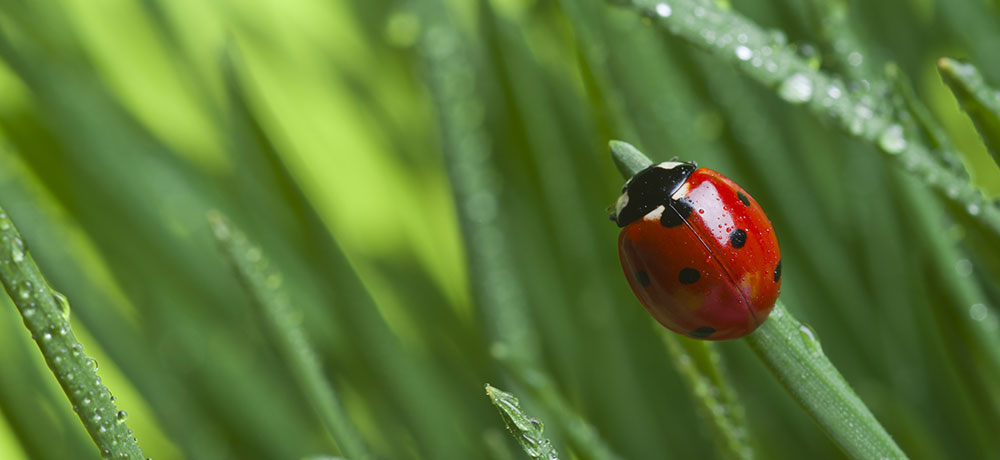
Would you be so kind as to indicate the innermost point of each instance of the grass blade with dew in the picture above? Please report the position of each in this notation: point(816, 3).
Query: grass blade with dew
point(46, 315)
point(765, 57)
point(527, 431)
point(980, 101)
point(263, 283)
point(792, 353)
point(699, 364)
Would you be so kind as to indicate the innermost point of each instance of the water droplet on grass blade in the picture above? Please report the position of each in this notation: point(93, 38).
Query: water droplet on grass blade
point(808, 337)
point(663, 10)
point(892, 140)
point(24, 290)
point(743, 53)
point(978, 312)
point(796, 89)
point(62, 303)
point(17, 250)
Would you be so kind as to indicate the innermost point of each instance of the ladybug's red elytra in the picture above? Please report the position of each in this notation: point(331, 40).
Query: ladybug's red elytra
point(698, 251)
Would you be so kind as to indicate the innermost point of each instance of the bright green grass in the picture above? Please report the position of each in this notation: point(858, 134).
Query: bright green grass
point(431, 180)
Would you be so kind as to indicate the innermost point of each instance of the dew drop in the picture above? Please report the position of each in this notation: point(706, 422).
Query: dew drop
point(834, 92)
point(17, 250)
point(796, 89)
point(24, 290)
point(978, 312)
point(808, 337)
point(892, 140)
point(743, 53)
point(864, 111)
point(855, 59)
point(62, 303)
point(663, 10)
point(963, 267)
point(121, 416)
point(973, 209)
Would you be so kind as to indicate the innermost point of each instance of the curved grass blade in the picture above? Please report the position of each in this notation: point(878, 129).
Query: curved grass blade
point(764, 57)
point(527, 431)
point(263, 283)
point(46, 314)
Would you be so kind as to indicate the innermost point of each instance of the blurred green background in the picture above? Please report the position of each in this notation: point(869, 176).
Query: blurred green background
point(310, 123)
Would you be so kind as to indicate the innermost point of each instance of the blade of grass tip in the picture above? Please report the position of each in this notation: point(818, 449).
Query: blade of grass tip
point(582, 435)
point(792, 353)
point(978, 99)
point(705, 377)
point(263, 283)
point(45, 314)
point(527, 431)
point(764, 56)
point(925, 121)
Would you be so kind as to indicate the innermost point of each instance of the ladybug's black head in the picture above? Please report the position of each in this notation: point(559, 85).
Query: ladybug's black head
point(649, 189)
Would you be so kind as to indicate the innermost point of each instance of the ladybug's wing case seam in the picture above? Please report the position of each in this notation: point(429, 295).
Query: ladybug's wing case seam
point(720, 263)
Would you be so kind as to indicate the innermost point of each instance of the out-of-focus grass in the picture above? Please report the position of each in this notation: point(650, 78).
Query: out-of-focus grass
point(311, 124)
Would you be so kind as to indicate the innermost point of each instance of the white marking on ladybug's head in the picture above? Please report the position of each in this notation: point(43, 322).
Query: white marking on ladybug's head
point(671, 164)
point(655, 214)
point(621, 203)
point(682, 191)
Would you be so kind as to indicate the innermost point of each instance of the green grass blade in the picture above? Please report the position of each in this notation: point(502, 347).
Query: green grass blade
point(699, 364)
point(792, 353)
point(768, 60)
point(46, 315)
point(263, 283)
point(980, 101)
point(582, 435)
point(527, 431)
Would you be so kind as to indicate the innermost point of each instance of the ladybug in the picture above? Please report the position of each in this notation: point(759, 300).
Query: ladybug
point(698, 251)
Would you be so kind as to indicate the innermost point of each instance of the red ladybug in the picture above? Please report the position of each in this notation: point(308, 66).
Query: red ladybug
point(698, 251)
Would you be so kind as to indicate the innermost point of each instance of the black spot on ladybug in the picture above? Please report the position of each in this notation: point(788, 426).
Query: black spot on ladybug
point(743, 198)
point(676, 212)
point(702, 332)
point(688, 276)
point(777, 272)
point(642, 277)
point(651, 188)
point(738, 238)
